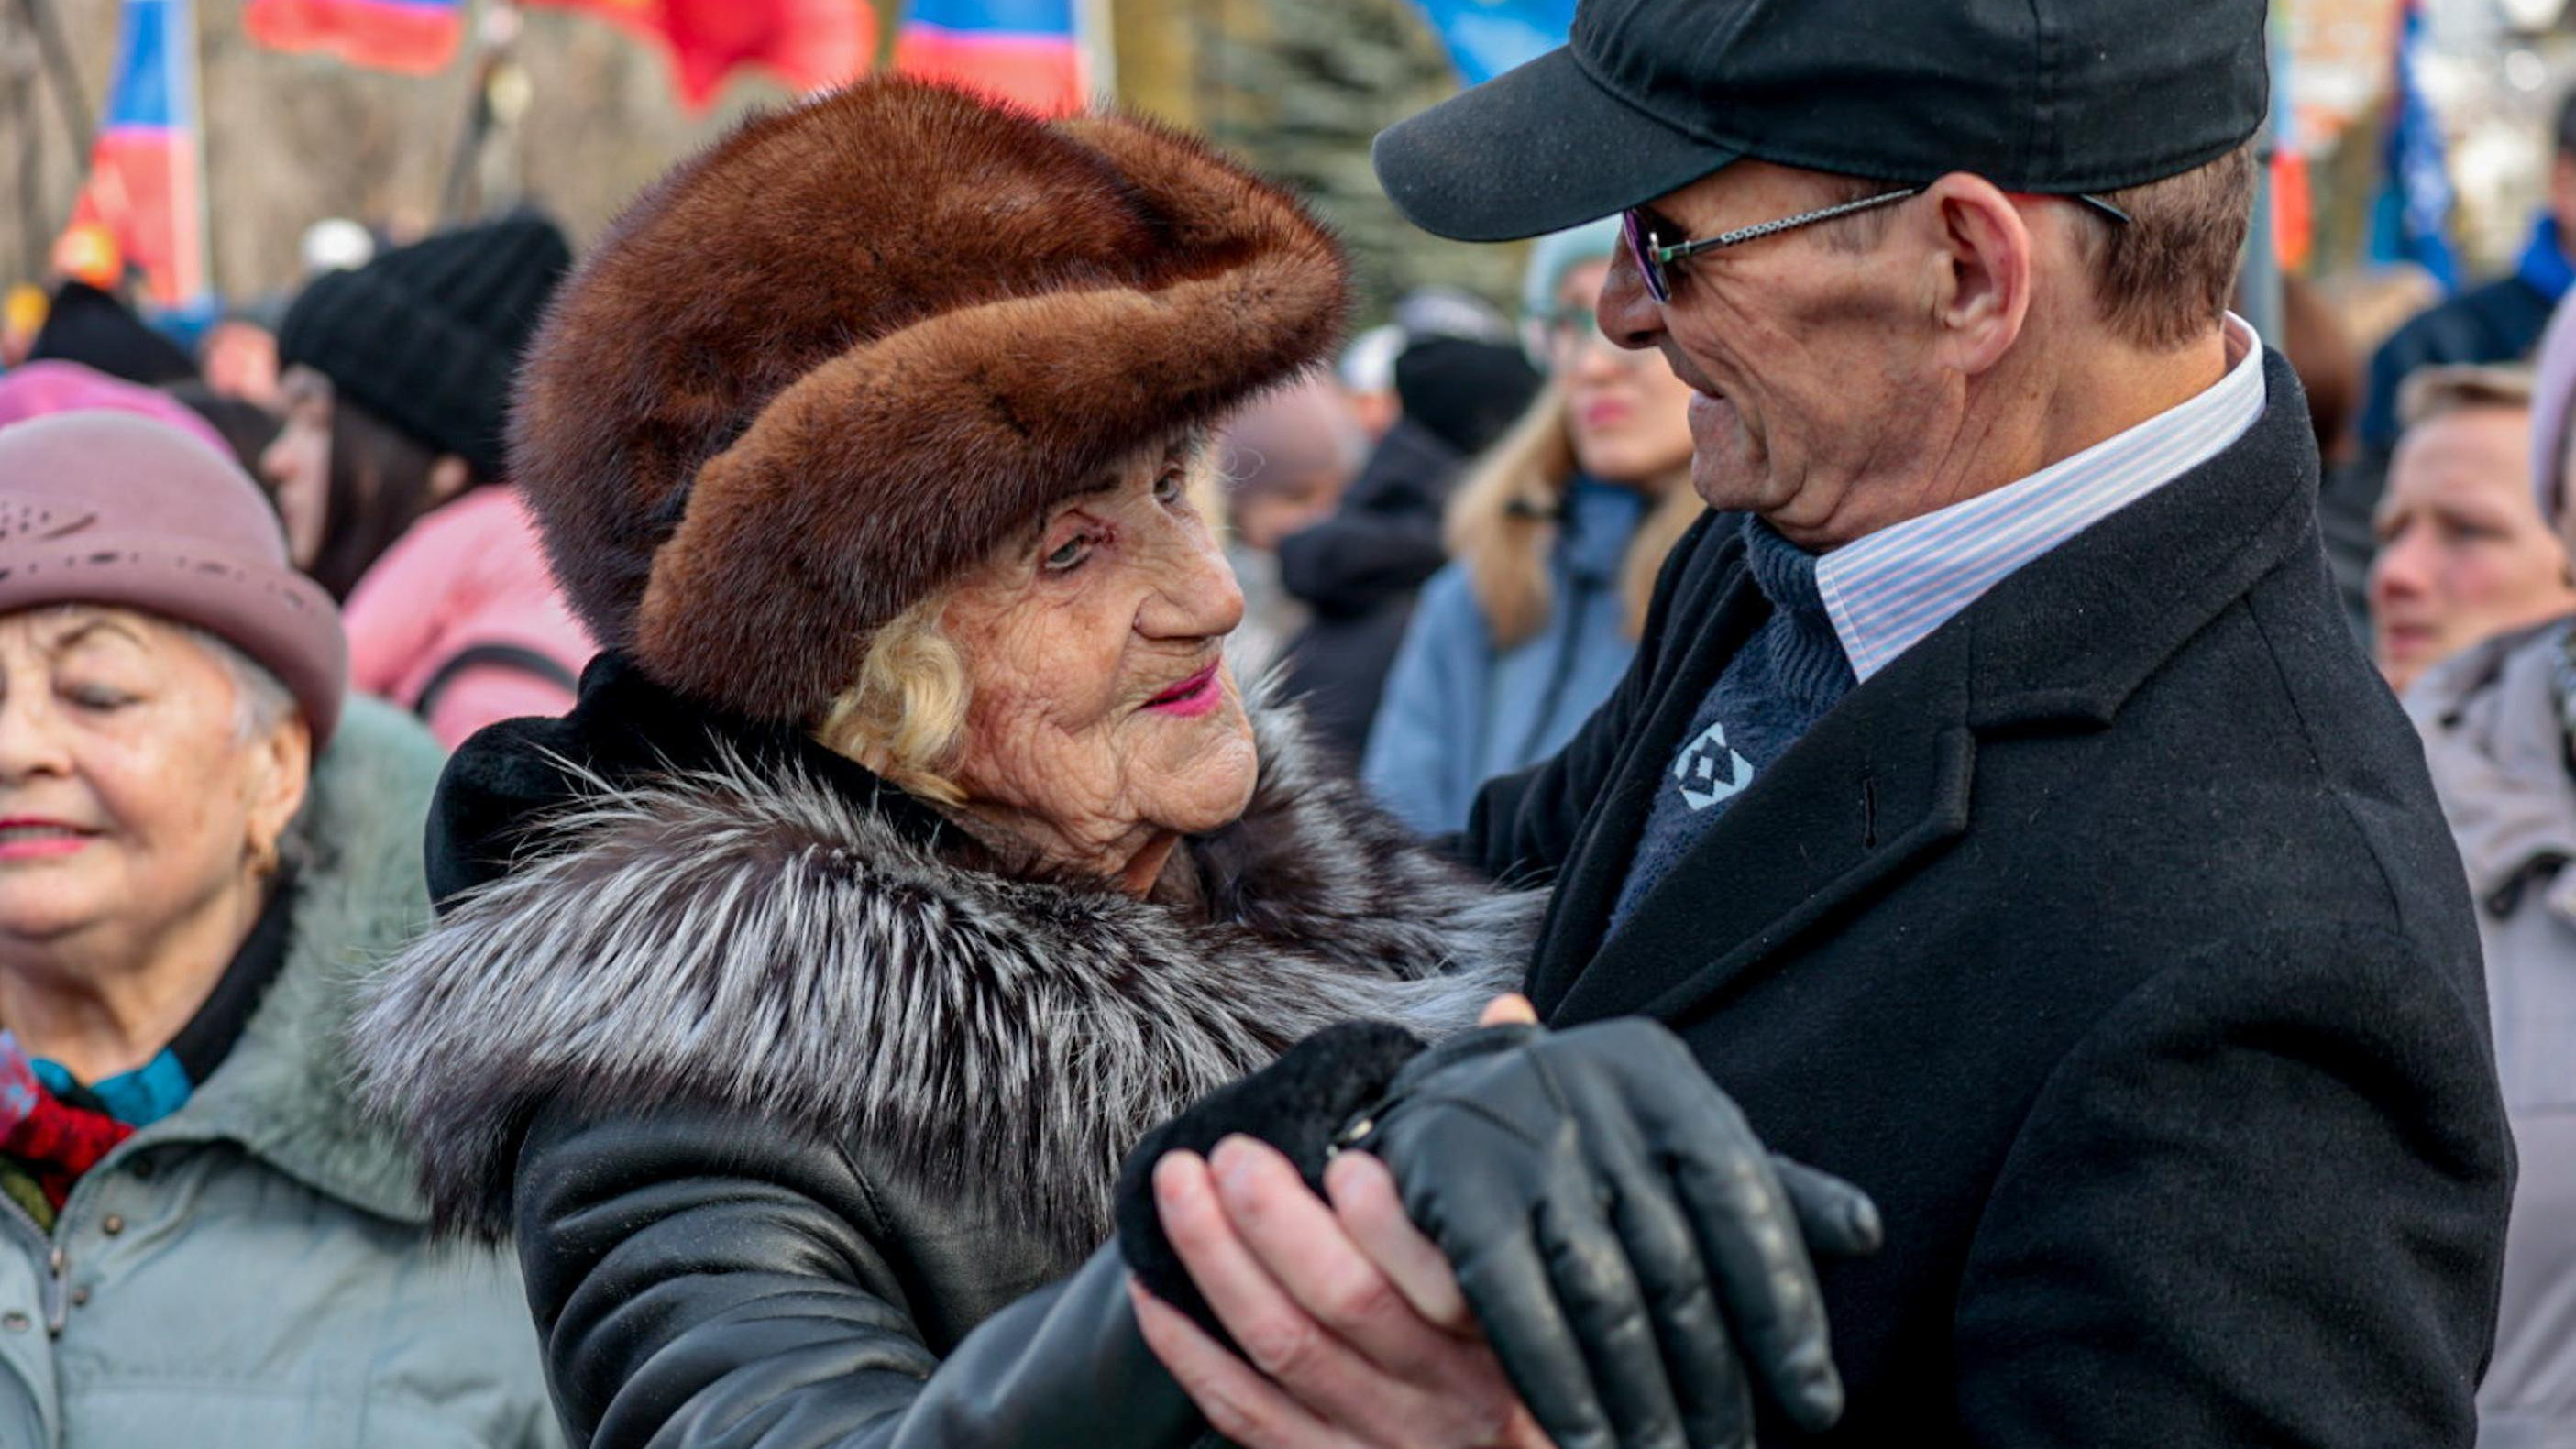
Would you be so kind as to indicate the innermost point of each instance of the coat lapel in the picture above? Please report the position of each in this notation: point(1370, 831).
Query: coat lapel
point(1879, 783)
point(1608, 840)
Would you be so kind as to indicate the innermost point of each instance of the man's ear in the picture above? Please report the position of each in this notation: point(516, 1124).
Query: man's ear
point(1983, 278)
point(449, 476)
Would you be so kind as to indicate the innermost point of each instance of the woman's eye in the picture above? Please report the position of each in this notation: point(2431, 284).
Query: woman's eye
point(98, 697)
point(1074, 550)
point(1170, 487)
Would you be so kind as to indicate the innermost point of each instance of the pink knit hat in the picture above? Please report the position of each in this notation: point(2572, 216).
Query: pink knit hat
point(105, 507)
point(42, 389)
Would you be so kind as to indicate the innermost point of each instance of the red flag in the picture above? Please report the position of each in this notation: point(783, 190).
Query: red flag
point(143, 198)
point(415, 37)
point(809, 44)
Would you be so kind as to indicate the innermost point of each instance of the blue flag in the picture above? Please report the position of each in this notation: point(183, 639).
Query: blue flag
point(2410, 220)
point(1487, 37)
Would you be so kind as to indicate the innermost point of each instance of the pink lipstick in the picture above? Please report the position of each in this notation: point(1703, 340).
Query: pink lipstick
point(1197, 695)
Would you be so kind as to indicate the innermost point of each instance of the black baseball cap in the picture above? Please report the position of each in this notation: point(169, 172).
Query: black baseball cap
point(2046, 96)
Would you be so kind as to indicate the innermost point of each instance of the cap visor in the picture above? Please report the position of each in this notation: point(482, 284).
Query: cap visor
point(1536, 149)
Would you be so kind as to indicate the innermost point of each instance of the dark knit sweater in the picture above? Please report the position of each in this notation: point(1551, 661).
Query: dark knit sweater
point(1787, 675)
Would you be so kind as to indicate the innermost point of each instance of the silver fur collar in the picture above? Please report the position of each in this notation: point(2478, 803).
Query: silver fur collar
point(757, 940)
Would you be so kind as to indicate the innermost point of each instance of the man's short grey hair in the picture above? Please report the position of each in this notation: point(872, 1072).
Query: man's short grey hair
point(2163, 280)
point(2433, 392)
point(261, 702)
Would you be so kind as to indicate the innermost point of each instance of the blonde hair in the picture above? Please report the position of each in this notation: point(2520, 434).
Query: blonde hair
point(1502, 525)
point(905, 716)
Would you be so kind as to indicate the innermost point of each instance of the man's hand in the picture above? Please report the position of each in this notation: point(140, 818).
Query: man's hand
point(1357, 1356)
point(1628, 1245)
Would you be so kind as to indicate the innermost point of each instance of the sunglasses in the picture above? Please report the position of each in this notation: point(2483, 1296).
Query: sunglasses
point(1656, 258)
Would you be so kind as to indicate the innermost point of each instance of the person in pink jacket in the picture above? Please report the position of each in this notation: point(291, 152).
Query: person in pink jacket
point(392, 475)
point(460, 622)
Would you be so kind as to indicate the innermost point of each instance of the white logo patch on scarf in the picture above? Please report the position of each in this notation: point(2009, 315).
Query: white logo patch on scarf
point(1709, 770)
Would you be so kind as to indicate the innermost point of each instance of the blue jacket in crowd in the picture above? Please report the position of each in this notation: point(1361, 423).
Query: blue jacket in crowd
point(1458, 712)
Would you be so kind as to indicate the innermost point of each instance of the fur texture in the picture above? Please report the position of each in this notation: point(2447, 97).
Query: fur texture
point(759, 941)
point(842, 355)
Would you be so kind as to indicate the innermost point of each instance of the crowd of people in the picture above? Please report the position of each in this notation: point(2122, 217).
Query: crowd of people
point(1871, 821)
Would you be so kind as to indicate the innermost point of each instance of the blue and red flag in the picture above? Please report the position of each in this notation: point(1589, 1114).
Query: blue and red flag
point(415, 37)
point(146, 186)
point(1025, 52)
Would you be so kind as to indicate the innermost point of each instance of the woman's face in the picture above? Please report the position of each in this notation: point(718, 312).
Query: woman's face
point(1102, 718)
point(298, 464)
point(2463, 553)
point(1628, 416)
point(129, 800)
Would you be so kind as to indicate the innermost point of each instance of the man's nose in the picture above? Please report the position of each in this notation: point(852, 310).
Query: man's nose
point(2402, 568)
point(1629, 314)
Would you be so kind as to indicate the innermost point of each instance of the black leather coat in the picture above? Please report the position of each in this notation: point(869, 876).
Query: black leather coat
point(806, 1123)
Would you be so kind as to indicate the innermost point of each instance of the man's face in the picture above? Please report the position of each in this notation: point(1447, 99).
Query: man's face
point(2463, 552)
point(1811, 361)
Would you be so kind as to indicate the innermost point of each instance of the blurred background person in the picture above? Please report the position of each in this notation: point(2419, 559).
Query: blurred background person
point(2499, 724)
point(392, 476)
point(1285, 462)
point(41, 389)
point(2464, 553)
point(247, 428)
point(1556, 538)
point(237, 357)
point(1367, 376)
point(2498, 322)
point(1358, 571)
point(203, 847)
point(88, 319)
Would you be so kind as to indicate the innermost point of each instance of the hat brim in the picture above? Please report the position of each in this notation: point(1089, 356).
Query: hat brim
point(1536, 149)
point(279, 618)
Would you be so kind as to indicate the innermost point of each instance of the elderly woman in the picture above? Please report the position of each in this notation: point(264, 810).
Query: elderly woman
point(912, 852)
point(201, 846)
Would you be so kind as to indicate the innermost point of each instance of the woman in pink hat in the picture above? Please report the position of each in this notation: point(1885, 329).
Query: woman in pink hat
point(202, 843)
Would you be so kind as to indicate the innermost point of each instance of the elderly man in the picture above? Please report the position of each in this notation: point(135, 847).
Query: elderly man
point(1998, 807)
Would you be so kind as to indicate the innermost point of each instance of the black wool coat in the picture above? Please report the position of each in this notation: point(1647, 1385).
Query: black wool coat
point(2113, 940)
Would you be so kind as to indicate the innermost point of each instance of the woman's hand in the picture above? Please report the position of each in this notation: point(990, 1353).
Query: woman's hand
point(1357, 1331)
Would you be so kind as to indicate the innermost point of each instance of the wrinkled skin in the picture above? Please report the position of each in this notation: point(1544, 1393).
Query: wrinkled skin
point(1854, 376)
point(1117, 597)
point(136, 827)
point(2463, 551)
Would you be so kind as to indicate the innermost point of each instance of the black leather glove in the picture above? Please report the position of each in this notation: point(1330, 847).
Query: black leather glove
point(1296, 1104)
point(1627, 1242)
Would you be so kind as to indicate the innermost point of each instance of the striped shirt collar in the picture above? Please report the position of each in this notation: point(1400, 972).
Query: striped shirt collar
point(1888, 592)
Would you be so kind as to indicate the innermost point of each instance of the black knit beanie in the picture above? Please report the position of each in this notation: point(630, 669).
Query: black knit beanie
point(427, 336)
point(1466, 393)
point(95, 329)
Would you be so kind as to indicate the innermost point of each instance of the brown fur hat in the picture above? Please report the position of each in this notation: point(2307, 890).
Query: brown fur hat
point(836, 359)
